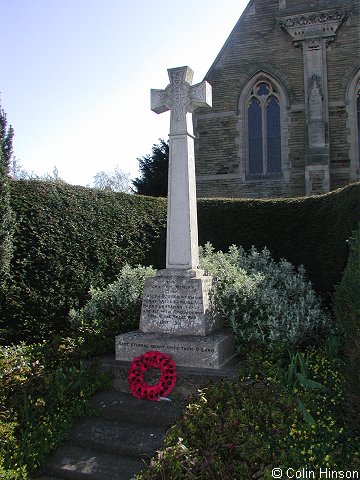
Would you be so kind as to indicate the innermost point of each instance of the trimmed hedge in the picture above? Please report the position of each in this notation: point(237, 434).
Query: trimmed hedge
point(68, 238)
point(311, 231)
point(347, 313)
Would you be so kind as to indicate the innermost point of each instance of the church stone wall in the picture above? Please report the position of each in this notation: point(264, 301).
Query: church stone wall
point(258, 44)
point(343, 60)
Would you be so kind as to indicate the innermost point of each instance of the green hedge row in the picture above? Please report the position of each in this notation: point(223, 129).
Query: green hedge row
point(68, 238)
point(347, 313)
point(311, 231)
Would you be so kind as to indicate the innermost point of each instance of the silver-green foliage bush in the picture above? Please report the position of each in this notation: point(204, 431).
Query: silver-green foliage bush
point(261, 299)
point(114, 309)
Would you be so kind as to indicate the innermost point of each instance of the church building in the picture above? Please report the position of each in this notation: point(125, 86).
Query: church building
point(285, 119)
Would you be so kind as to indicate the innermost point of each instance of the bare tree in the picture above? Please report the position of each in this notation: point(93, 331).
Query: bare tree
point(115, 181)
point(17, 172)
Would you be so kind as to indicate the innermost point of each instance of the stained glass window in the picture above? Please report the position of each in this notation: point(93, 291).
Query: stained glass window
point(358, 120)
point(273, 138)
point(262, 89)
point(264, 130)
point(255, 137)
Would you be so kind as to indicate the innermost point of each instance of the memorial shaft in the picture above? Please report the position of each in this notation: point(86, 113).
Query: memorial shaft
point(176, 315)
point(181, 98)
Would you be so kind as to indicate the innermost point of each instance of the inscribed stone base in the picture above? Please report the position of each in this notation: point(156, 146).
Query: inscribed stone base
point(177, 302)
point(212, 351)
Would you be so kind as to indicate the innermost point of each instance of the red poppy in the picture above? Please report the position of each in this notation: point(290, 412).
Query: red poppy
point(141, 364)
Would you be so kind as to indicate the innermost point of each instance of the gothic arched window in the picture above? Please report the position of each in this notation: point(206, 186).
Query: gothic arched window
point(358, 121)
point(353, 124)
point(263, 129)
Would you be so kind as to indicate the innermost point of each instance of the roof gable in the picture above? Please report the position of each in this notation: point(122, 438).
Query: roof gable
point(281, 8)
point(246, 11)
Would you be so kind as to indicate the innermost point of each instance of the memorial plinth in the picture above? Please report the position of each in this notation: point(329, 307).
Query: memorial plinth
point(175, 314)
point(177, 302)
point(211, 351)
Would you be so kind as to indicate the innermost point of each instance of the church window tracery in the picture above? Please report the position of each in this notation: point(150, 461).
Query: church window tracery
point(358, 121)
point(263, 129)
point(353, 124)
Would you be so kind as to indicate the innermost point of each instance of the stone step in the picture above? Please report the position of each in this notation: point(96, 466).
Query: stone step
point(77, 463)
point(115, 444)
point(114, 405)
point(47, 477)
point(188, 381)
point(117, 437)
point(127, 431)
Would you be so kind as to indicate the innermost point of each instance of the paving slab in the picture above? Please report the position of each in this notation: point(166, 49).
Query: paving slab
point(115, 405)
point(118, 437)
point(115, 444)
point(76, 463)
point(47, 477)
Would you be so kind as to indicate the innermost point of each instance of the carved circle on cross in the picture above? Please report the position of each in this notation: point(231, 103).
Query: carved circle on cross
point(178, 99)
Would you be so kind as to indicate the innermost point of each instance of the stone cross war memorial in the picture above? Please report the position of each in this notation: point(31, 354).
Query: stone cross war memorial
point(175, 314)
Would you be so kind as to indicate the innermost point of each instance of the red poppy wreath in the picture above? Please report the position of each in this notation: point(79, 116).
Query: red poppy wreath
point(141, 364)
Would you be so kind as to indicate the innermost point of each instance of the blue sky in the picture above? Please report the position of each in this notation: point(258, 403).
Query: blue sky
point(76, 75)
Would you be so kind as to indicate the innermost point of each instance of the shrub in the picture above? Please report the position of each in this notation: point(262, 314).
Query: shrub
point(8, 448)
point(6, 214)
point(112, 310)
point(243, 429)
point(43, 387)
point(6, 228)
point(347, 312)
point(309, 231)
point(226, 432)
point(6, 223)
point(263, 300)
point(58, 257)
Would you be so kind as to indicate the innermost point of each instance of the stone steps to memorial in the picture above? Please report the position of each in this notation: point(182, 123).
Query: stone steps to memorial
point(117, 443)
point(77, 463)
point(115, 405)
point(127, 431)
point(119, 437)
